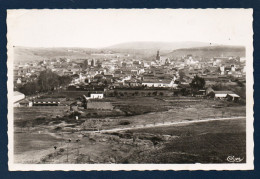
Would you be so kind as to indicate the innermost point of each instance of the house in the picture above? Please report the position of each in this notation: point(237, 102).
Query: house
point(209, 90)
point(25, 103)
point(233, 97)
point(132, 82)
point(19, 81)
point(223, 95)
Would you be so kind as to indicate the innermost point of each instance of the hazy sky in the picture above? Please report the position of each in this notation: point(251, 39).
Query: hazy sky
point(101, 28)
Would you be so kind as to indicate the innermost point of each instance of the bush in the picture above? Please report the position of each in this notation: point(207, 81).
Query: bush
point(156, 139)
point(124, 122)
point(57, 128)
point(72, 115)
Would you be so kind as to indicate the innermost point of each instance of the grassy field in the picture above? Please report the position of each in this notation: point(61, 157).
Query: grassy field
point(25, 142)
point(29, 113)
point(135, 112)
point(28, 147)
point(206, 142)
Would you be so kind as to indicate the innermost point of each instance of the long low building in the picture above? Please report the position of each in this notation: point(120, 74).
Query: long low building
point(230, 95)
point(159, 83)
point(46, 102)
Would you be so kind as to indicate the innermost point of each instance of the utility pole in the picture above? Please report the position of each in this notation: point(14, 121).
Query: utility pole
point(55, 147)
point(68, 149)
point(77, 149)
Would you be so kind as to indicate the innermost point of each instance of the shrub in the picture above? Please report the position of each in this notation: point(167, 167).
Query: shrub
point(156, 140)
point(124, 122)
point(74, 114)
point(57, 128)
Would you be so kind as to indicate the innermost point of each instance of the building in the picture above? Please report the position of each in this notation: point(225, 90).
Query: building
point(46, 102)
point(159, 83)
point(230, 95)
point(96, 95)
point(18, 96)
point(25, 103)
point(233, 97)
point(209, 90)
point(158, 57)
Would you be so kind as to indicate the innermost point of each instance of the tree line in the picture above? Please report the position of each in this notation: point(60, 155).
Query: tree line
point(45, 82)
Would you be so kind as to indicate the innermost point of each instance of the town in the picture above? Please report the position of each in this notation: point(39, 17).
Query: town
point(125, 102)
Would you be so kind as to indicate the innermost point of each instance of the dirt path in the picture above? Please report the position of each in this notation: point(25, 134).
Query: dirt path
point(168, 124)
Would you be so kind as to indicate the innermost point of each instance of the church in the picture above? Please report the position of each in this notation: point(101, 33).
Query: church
point(162, 60)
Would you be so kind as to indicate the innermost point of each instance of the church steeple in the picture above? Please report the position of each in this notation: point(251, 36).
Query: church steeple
point(158, 55)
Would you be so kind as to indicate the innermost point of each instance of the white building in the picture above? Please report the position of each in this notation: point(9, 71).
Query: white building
point(18, 96)
point(160, 83)
point(97, 96)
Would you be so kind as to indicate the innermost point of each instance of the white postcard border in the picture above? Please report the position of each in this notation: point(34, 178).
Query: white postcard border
point(249, 165)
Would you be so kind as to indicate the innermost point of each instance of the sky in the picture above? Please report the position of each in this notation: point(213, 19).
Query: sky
point(101, 28)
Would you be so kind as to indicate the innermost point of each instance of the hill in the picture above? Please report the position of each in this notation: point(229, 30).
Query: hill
point(162, 46)
point(210, 51)
point(27, 54)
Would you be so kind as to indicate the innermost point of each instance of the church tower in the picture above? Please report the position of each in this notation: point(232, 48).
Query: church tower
point(158, 56)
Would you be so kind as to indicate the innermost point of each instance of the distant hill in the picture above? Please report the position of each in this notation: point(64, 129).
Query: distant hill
point(145, 50)
point(210, 51)
point(162, 46)
point(26, 54)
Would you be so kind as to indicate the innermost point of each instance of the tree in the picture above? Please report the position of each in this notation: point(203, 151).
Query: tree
point(155, 93)
point(85, 64)
point(197, 83)
point(115, 93)
point(181, 74)
point(48, 80)
point(64, 80)
point(29, 88)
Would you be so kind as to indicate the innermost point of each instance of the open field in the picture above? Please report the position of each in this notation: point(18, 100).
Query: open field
point(132, 112)
point(29, 113)
point(39, 129)
point(210, 142)
point(205, 142)
point(28, 147)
